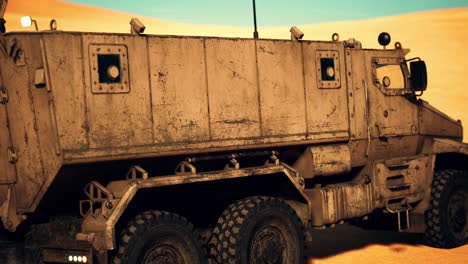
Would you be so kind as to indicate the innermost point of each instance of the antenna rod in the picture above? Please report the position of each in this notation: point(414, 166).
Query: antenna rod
point(255, 20)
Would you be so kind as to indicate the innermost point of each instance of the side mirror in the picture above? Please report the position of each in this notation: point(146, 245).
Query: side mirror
point(418, 75)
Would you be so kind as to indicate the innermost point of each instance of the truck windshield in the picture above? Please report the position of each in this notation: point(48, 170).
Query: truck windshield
point(390, 76)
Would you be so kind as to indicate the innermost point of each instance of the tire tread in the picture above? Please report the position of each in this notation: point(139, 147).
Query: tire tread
point(436, 235)
point(224, 244)
point(137, 227)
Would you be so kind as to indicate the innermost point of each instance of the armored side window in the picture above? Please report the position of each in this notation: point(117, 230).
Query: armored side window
point(328, 69)
point(109, 69)
point(390, 75)
point(329, 65)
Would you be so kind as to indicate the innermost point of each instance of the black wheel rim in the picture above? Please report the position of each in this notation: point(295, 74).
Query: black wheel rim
point(268, 246)
point(457, 214)
point(163, 254)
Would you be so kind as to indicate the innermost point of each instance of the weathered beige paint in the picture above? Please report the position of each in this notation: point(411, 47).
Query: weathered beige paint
point(281, 85)
point(324, 115)
point(124, 119)
point(389, 115)
point(178, 90)
point(191, 95)
point(232, 89)
point(324, 160)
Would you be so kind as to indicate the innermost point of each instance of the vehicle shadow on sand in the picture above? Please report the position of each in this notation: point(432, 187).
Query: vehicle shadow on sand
point(343, 238)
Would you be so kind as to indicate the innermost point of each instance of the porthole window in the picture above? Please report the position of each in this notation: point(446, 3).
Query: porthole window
point(329, 65)
point(328, 69)
point(109, 69)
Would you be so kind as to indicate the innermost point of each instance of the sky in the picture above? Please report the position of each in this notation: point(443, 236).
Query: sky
point(290, 12)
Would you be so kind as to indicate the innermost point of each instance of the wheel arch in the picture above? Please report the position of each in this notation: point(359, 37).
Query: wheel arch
point(450, 154)
point(203, 202)
point(137, 195)
point(451, 160)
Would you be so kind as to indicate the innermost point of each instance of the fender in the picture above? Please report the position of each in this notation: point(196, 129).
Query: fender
point(98, 226)
point(443, 145)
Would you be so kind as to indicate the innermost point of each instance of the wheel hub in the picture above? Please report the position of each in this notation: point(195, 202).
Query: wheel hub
point(163, 254)
point(268, 246)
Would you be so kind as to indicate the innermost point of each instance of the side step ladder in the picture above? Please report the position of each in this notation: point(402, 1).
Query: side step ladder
point(401, 209)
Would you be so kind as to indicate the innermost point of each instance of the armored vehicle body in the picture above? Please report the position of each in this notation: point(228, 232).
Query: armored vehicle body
point(235, 148)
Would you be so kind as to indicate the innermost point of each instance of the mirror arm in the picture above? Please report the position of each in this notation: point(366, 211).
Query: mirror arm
point(412, 59)
point(418, 94)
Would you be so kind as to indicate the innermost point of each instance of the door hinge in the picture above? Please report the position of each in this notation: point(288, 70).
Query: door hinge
point(3, 96)
point(12, 156)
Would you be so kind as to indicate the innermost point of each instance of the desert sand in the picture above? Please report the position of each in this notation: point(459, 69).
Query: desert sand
point(438, 36)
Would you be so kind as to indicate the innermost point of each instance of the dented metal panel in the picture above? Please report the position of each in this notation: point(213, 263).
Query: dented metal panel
point(281, 83)
point(324, 160)
point(232, 89)
point(324, 116)
point(178, 90)
point(67, 79)
point(119, 119)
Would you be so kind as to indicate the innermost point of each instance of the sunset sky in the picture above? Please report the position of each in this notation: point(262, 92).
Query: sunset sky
point(270, 12)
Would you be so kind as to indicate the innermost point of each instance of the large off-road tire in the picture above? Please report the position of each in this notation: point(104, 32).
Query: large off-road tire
point(258, 230)
point(159, 237)
point(447, 217)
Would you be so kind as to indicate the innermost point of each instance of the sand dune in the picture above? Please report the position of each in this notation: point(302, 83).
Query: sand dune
point(398, 254)
point(348, 244)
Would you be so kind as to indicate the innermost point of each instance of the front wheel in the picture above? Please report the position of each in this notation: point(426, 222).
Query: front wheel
point(155, 237)
point(447, 217)
point(260, 230)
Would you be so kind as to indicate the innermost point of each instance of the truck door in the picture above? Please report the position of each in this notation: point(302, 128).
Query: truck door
point(390, 113)
point(326, 90)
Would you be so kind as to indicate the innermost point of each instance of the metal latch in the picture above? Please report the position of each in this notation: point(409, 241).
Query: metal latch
point(3, 96)
point(39, 78)
point(12, 156)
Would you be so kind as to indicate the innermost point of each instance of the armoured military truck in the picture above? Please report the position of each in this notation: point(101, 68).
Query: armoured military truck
point(221, 150)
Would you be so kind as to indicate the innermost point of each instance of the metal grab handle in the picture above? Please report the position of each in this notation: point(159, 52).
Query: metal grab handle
point(94, 190)
point(132, 173)
point(185, 167)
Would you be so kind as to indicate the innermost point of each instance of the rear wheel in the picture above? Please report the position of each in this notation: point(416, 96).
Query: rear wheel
point(157, 237)
point(260, 230)
point(447, 217)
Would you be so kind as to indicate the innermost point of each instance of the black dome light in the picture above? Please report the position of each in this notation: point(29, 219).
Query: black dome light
point(384, 39)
